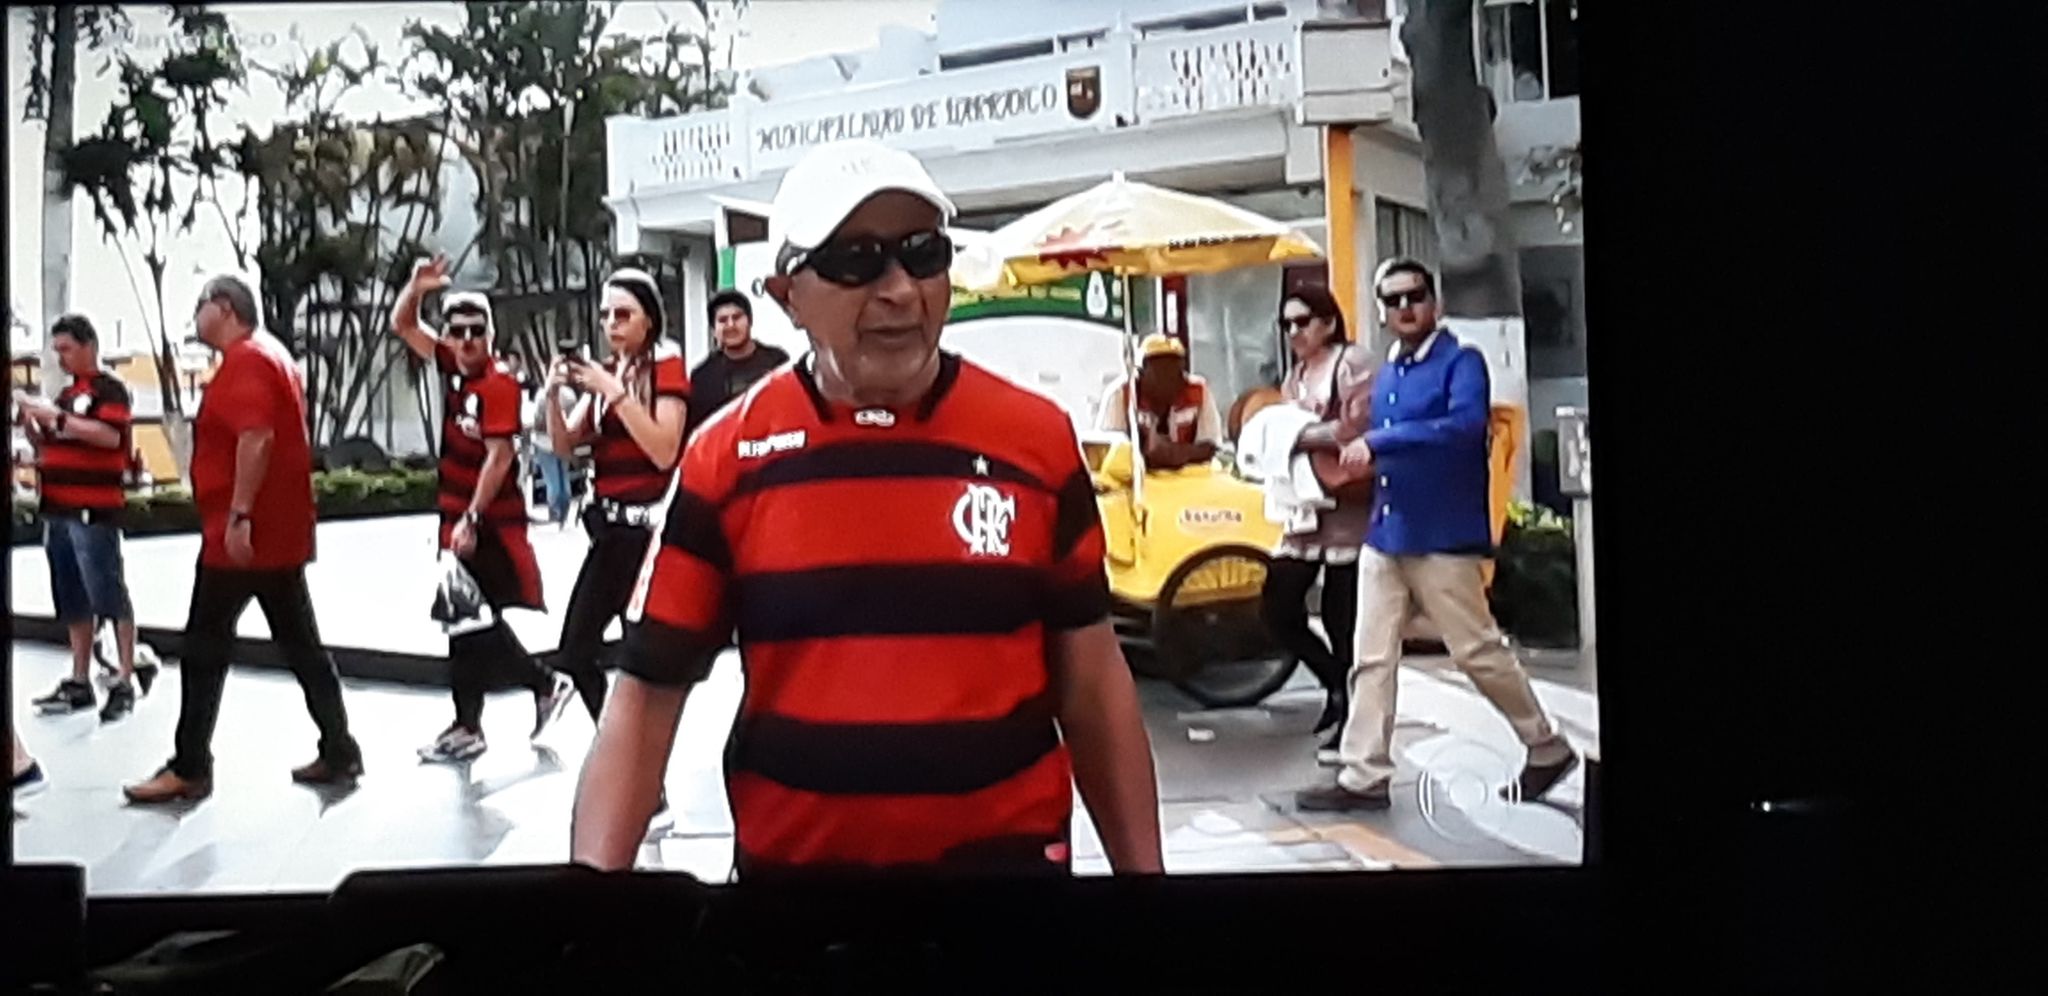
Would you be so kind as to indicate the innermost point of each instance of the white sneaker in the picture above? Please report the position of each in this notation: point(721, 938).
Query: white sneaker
point(1329, 758)
point(453, 746)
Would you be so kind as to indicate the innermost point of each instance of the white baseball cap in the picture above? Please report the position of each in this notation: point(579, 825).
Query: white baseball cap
point(830, 181)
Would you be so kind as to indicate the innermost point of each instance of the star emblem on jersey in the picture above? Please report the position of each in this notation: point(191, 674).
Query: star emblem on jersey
point(982, 517)
point(981, 466)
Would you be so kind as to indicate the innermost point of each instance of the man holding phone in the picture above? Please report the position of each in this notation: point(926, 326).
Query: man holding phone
point(483, 518)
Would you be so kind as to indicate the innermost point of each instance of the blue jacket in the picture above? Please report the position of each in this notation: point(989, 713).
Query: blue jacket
point(1428, 436)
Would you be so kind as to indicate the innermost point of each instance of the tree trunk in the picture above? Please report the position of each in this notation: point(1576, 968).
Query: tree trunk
point(1466, 180)
point(57, 137)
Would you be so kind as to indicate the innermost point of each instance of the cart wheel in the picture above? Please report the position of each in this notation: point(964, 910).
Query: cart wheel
point(1211, 633)
point(1134, 633)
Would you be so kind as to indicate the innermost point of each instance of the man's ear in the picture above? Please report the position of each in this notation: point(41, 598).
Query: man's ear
point(778, 287)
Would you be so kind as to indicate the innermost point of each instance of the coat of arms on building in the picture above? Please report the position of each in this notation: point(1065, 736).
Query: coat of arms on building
point(1084, 91)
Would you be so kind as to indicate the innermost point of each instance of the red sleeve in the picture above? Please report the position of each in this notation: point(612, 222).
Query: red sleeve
point(670, 379)
point(680, 615)
point(247, 391)
point(1079, 593)
point(497, 400)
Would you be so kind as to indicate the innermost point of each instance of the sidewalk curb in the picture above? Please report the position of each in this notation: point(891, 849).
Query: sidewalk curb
point(360, 663)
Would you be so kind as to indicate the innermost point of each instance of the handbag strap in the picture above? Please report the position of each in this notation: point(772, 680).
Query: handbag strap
point(1333, 406)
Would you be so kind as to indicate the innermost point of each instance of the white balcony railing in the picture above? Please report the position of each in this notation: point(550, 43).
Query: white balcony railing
point(1124, 82)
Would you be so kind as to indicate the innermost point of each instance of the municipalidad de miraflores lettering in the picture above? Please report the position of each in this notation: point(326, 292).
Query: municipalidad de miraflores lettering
point(950, 112)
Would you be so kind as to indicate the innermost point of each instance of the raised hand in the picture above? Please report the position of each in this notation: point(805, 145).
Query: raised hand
point(431, 274)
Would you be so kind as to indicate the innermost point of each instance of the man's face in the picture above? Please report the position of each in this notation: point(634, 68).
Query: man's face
point(471, 336)
point(1163, 377)
point(77, 358)
point(732, 326)
point(210, 320)
point(879, 338)
point(1409, 305)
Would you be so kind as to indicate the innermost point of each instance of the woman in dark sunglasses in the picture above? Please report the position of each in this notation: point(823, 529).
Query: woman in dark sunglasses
point(1326, 375)
point(632, 415)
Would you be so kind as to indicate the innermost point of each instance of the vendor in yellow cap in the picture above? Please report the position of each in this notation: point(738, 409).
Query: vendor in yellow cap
point(1178, 423)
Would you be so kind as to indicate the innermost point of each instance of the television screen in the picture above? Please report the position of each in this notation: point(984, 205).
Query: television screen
point(408, 475)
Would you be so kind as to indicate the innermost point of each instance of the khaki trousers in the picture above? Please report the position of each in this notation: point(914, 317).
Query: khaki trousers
point(1451, 591)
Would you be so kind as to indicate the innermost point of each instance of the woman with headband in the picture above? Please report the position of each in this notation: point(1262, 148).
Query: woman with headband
point(632, 414)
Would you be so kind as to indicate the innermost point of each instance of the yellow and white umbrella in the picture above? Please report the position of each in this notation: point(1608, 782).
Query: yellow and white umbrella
point(1130, 229)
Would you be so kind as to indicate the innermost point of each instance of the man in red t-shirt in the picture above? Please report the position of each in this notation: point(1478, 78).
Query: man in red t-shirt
point(483, 518)
point(252, 478)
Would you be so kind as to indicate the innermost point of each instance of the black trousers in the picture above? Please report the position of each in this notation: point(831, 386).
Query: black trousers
point(603, 588)
point(219, 596)
point(1286, 610)
point(493, 657)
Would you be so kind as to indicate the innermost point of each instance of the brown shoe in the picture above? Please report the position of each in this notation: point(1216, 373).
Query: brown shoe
point(1335, 798)
point(1538, 779)
point(168, 787)
point(325, 772)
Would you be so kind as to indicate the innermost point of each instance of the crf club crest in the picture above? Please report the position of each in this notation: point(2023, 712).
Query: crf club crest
point(1084, 91)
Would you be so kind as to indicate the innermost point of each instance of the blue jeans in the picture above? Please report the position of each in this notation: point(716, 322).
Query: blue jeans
point(554, 475)
point(85, 570)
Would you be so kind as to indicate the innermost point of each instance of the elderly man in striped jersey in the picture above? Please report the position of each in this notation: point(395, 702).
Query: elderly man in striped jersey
point(909, 547)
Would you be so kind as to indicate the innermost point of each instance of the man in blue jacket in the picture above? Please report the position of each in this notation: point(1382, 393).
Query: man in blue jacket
point(1426, 442)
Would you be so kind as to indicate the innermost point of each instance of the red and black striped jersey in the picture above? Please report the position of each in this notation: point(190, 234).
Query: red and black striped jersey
point(624, 471)
point(480, 407)
point(894, 577)
point(77, 475)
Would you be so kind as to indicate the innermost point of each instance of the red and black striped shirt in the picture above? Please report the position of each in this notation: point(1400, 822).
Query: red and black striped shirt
point(78, 476)
point(480, 407)
point(624, 471)
point(894, 576)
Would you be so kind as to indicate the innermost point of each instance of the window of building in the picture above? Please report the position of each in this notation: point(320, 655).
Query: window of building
point(1529, 49)
point(1081, 42)
point(1404, 231)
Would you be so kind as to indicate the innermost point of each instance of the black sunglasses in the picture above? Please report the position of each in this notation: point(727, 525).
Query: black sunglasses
point(469, 330)
point(1404, 299)
point(859, 262)
point(1299, 323)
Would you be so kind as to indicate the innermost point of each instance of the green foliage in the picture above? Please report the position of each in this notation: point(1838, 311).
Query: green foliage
point(1535, 583)
point(343, 207)
point(339, 494)
point(93, 25)
point(156, 140)
point(527, 89)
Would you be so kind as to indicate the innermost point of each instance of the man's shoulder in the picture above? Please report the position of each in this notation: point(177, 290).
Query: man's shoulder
point(769, 405)
point(106, 387)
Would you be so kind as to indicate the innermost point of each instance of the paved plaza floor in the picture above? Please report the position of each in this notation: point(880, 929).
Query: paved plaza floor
point(1227, 777)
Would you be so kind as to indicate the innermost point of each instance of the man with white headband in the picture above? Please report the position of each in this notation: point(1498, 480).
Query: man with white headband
point(483, 518)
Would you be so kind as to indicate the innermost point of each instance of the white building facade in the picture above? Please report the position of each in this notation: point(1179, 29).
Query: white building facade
point(1015, 104)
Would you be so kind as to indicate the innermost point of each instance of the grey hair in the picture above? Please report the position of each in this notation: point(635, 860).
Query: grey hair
point(240, 299)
